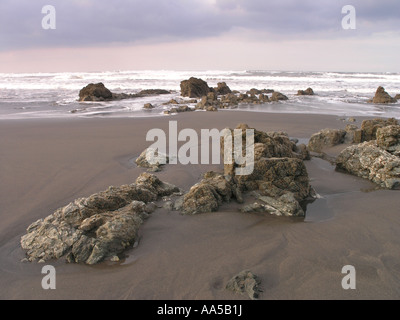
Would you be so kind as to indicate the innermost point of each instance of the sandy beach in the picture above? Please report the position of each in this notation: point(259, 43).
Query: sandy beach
point(45, 164)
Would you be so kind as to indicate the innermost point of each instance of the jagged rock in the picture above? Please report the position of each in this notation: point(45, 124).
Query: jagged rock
point(208, 195)
point(91, 229)
point(381, 96)
point(194, 88)
point(326, 138)
point(368, 161)
point(307, 92)
point(277, 96)
point(156, 159)
point(209, 102)
point(370, 127)
point(245, 283)
point(388, 138)
point(222, 89)
point(229, 100)
point(276, 176)
point(397, 96)
point(95, 92)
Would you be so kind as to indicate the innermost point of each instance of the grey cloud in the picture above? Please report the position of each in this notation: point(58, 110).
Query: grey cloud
point(100, 22)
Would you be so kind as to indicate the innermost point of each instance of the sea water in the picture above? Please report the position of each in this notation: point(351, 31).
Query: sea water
point(55, 95)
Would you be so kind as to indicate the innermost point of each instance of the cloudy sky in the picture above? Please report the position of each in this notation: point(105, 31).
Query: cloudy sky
point(103, 35)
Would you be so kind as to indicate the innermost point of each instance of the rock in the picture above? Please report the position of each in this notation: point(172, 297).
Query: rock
point(381, 96)
point(254, 91)
point(326, 138)
point(274, 177)
point(92, 229)
point(279, 173)
point(397, 96)
point(184, 108)
point(353, 134)
point(172, 101)
point(194, 88)
point(277, 96)
point(351, 119)
point(370, 127)
point(245, 283)
point(148, 106)
point(388, 138)
point(285, 205)
point(98, 92)
point(222, 89)
point(303, 151)
point(207, 195)
point(212, 109)
point(307, 92)
point(152, 92)
point(229, 100)
point(156, 159)
point(95, 92)
point(368, 161)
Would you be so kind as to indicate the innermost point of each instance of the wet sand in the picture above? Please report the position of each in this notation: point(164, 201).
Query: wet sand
point(45, 164)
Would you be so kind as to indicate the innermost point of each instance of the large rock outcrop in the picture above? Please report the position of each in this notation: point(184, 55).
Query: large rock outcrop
point(381, 96)
point(370, 127)
point(92, 229)
point(388, 138)
point(194, 88)
point(369, 161)
point(95, 92)
point(326, 138)
point(279, 176)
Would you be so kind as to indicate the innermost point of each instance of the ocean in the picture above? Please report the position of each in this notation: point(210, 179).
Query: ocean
point(55, 95)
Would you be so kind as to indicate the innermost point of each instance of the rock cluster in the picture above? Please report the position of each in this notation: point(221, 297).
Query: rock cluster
point(279, 173)
point(101, 226)
point(223, 97)
point(351, 134)
point(375, 155)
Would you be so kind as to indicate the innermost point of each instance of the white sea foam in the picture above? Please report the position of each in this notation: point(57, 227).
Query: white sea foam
point(55, 94)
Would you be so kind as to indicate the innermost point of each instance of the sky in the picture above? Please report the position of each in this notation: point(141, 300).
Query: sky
point(100, 35)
